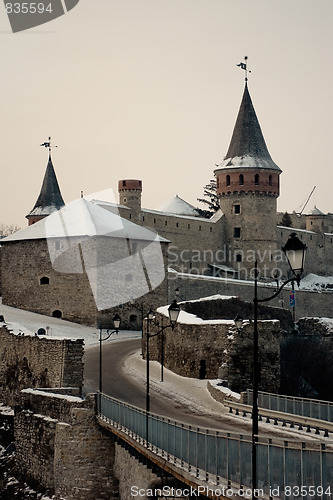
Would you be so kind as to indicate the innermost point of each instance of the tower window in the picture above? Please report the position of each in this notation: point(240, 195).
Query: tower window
point(270, 180)
point(44, 280)
point(237, 232)
point(237, 209)
point(256, 179)
point(227, 180)
point(241, 179)
point(239, 257)
point(124, 183)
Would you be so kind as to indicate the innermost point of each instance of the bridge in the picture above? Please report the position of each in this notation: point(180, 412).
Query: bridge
point(217, 464)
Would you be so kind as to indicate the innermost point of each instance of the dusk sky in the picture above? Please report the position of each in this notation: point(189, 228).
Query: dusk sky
point(149, 89)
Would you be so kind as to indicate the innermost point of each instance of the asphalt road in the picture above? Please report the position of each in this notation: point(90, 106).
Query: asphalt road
point(118, 384)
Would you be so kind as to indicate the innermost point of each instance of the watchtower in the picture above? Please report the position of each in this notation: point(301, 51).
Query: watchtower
point(130, 191)
point(248, 187)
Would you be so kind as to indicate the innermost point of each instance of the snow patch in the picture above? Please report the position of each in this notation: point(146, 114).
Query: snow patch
point(228, 392)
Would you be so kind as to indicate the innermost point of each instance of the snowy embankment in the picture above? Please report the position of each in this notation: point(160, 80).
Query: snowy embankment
point(22, 322)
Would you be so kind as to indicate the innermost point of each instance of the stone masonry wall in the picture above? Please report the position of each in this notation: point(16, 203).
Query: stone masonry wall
point(199, 350)
point(308, 303)
point(69, 455)
point(24, 263)
point(27, 361)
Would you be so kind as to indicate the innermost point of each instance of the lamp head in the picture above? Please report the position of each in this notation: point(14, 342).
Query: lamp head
point(174, 311)
point(295, 251)
point(150, 315)
point(238, 321)
point(116, 322)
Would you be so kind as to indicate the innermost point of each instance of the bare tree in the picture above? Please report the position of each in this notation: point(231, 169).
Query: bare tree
point(7, 229)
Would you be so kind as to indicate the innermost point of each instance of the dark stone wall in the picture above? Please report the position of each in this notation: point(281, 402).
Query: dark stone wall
point(27, 361)
point(219, 351)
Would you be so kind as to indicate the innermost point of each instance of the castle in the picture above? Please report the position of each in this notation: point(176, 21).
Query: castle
point(246, 228)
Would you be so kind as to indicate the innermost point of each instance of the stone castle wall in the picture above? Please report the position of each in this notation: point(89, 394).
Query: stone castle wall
point(308, 303)
point(65, 451)
point(24, 264)
point(200, 350)
point(65, 286)
point(27, 361)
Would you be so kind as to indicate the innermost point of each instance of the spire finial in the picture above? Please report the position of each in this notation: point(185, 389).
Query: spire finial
point(48, 145)
point(243, 65)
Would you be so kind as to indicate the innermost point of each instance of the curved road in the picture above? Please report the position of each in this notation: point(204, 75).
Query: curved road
point(118, 384)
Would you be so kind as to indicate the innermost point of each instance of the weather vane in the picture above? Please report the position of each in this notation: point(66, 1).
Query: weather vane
point(48, 145)
point(243, 65)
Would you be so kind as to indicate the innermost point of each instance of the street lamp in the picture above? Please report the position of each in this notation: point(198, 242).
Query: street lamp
point(173, 311)
point(295, 251)
point(116, 324)
point(238, 321)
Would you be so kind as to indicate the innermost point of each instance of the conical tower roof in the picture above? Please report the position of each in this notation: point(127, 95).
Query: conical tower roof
point(49, 198)
point(247, 147)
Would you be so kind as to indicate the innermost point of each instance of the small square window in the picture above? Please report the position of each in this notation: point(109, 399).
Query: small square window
point(237, 209)
point(237, 232)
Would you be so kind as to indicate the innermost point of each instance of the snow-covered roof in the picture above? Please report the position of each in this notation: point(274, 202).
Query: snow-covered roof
point(296, 229)
point(83, 218)
point(316, 211)
point(178, 206)
point(248, 161)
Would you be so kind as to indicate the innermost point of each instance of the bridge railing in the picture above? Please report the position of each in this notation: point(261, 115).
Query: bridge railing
point(313, 408)
point(224, 457)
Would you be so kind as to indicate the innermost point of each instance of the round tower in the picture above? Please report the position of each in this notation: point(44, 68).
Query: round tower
point(248, 187)
point(315, 221)
point(130, 191)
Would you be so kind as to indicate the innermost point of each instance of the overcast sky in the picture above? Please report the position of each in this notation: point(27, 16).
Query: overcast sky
point(149, 89)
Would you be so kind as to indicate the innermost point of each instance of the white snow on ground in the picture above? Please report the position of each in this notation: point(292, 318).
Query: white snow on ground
point(211, 297)
point(328, 322)
point(192, 319)
point(193, 394)
point(228, 392)
point(20, 321)
point(315, 282)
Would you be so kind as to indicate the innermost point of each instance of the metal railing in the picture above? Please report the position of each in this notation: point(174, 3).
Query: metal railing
point(225, 458)
point(313, 408)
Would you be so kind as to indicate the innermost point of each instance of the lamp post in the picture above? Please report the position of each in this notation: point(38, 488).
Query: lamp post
point(294, 250)
point(116, 323)
point(173, 311)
